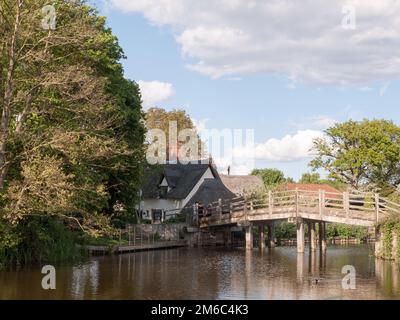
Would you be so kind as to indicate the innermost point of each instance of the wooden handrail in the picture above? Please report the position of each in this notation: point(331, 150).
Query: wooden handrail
point(350, 206)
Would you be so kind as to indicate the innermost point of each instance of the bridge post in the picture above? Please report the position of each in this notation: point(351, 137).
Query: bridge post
point(271, 235)
point(261, 237)
point(249, 237)
point(377, 201)
point(300, 267)
point(270, 203)
point(227, 237)
point(322, 236)
point(312, 236)
point(300, 235)
point(378, 242)
point(321, 200)
point(346, 204)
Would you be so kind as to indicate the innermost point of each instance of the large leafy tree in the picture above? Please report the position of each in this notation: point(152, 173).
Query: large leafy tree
point(271, 177)
point(159, 118)
point(71, 135)
point(361, 154)
point(176, 119)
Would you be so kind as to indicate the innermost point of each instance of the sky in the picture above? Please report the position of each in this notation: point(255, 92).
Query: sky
point(286, 69)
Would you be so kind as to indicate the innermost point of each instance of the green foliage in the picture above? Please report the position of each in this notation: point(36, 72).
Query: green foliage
point(343, 231)
point(271, 177)
point(102, 241)
point(72, 134)
point(288, 231)
point(313, 178)
point(120, 221)
point(387, 228)
point(285, 230)
point(159, 118)
point(38, 240)
point(361, 153)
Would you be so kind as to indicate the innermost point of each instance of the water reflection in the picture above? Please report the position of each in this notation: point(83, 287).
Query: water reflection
point(85, 278)
point(300, 267)
point(278, 273)
point(388, 278)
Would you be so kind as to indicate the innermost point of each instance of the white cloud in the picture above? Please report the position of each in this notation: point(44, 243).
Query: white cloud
point(318, 122)
point(154, 92)
point(301, 39)
point(289, 148)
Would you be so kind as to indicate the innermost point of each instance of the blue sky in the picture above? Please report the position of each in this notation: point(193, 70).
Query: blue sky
point(271, 99)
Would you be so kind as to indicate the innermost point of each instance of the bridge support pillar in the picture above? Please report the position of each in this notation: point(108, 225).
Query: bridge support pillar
point(271, 235)
point(300, 235)
point(249, 238)
point(227, 237)
point(312, 236)
point(322, 236)
point(261, 237)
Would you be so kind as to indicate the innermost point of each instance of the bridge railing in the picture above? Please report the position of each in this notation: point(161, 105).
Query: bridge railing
point(315, 204)
point(387, 207)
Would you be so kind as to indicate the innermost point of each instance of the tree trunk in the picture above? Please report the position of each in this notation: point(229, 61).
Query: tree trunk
point(8, 94)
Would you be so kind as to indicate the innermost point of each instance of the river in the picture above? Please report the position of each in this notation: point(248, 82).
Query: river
point(213, 274)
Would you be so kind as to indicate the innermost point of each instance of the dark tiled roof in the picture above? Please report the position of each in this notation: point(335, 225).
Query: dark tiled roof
point(243, 184)
point(181, 178)
point(210, 191)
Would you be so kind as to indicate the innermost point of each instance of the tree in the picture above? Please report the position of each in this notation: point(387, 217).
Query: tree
point(271, 177)
point(71, 134)
point(314, 178)
point(159, 118)
point(179, 120)
point(361, 154)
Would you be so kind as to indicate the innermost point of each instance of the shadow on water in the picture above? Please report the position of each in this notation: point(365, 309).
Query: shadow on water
point(279, 273)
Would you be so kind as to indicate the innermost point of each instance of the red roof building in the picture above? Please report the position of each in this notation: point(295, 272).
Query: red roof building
point(331, 191)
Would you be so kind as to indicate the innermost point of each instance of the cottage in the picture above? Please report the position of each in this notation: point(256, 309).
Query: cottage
point(172, 187)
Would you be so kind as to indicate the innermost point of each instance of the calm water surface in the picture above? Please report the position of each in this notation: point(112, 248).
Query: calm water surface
point(213, 274)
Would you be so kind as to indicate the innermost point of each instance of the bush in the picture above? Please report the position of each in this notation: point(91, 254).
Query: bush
point(387, 228)
point(288, 231)
point(346, 232)
point(37, 240)
point(122, 220)
point(285, 231)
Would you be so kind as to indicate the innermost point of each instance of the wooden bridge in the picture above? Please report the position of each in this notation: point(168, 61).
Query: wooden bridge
point(300, 207)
